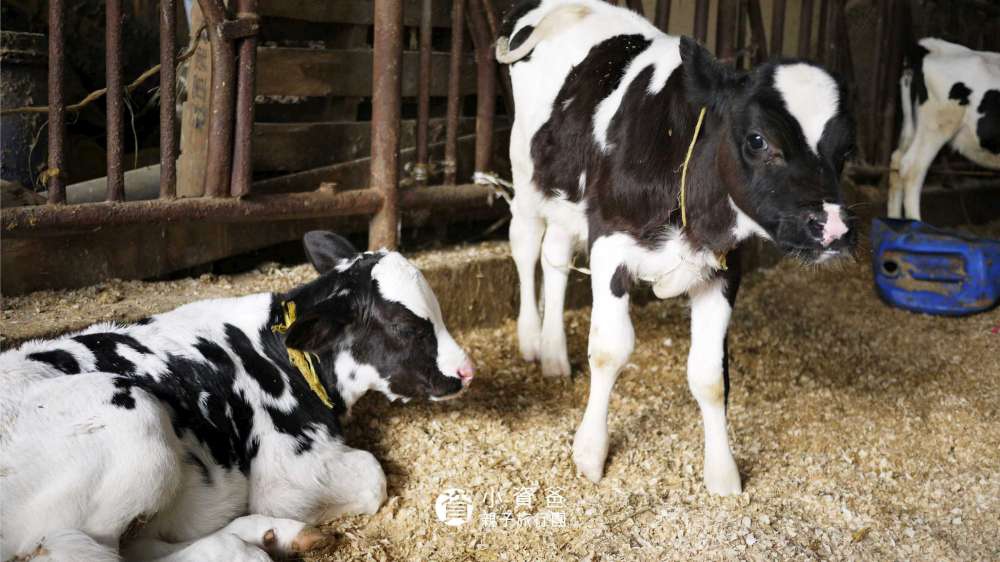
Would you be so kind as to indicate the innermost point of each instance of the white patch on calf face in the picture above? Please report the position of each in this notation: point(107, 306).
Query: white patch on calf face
point(399, 281)
point(811, 97)
point(746, 226)
point(354, 379)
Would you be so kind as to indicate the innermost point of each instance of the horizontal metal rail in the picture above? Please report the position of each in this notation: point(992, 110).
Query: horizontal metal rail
point(322, 203)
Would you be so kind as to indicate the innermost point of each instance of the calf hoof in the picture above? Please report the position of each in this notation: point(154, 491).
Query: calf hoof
point(310, 538)
point(529, 348)
point(555, 364)
point(529, 339)
point(590, 449)
point(722, 478)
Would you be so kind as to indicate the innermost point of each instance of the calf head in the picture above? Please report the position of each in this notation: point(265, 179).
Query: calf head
point(375, 323)
point(785, 134)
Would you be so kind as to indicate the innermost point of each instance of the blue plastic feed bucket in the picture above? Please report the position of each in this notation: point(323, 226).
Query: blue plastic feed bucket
point(925, 269)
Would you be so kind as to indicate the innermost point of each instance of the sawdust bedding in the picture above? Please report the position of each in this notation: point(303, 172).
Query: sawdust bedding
point(862, 432)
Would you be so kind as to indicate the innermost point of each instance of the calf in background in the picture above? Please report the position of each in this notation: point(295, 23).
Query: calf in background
point(950, 95)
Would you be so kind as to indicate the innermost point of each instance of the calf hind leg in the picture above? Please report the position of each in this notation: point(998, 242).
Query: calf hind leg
point(526, 232)
point(557, 253)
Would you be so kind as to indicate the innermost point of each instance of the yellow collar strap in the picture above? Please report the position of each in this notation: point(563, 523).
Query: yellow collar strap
point(684, 172)
point(302, 360)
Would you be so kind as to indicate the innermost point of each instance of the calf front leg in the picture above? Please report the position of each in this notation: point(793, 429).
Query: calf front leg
point(526, 230)
point(710, 312)
point(612, 339)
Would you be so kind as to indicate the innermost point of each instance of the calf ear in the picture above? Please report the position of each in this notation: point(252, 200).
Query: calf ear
point(319, 325)
point(709, 82)
point(325, 249)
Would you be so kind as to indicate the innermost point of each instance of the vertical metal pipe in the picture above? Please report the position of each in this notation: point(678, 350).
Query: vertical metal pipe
point(701, 21)
point(454, 92)
point(635, 6)
point(420, 170)
point(506, 89)
point(878, 86)
point(777, 28)
point(220, 122)
point(387, 70)
point(741, 34)
point(168, 98)
point(758, 37)
point(725, 29)
point(485, 86)
point(805, 28)
point(823, 31)
point(663, 15)
point(56, 172)
point(833, 40)
point(115, 98)
point(242, 174)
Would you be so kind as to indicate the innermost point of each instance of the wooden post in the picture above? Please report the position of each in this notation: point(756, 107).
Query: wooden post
point(387, 69)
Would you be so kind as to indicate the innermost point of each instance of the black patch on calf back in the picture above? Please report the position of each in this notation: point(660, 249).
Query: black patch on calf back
point(59, 359)
point(562, 146)
point(104, 346)
point(227, 430)
point(988, 126)
point(960, 93)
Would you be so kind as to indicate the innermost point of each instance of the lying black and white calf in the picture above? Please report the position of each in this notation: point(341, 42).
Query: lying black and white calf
point(606, 126)
point(950, 95)
point(171, 428)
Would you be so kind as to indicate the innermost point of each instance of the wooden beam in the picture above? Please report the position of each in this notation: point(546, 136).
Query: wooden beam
point(348, 11)
point(286, 147)
point(312, 72)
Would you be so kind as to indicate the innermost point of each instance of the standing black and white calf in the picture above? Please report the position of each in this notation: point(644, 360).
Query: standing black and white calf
point(950, 95)
point(173, 427)
point(607, 107)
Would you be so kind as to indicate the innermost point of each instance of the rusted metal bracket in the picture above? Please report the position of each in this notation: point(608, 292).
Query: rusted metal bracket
point(245, 25)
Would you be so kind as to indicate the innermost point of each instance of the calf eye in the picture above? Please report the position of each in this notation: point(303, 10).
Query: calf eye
point(756, 143)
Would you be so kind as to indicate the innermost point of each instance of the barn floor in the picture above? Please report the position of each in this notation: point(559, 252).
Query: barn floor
point(862, 432)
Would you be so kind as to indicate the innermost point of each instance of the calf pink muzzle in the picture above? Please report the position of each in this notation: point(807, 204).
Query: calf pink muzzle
point(834, 227)
point(466, 372)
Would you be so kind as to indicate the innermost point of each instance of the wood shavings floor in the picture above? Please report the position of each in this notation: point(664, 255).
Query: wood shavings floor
point(862, 432)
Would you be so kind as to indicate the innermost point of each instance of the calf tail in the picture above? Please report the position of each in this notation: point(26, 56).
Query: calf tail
point(70, 545)
point(550, 25)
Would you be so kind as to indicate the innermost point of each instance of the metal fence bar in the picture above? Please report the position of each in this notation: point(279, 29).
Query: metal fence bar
point(777, 28)
point(701, 21)
point(662, 17)
point(168, 99)
point(115, 99)
point(420, 170)
point(454, 92)
point(758, 37)
point(242, 174)
point(805, 28)
point(823, 32)
point(485, 85)
point(387, 67)
point(725, 29)
point(506, 88)
point(635, 6)
point(220, 122)
point(56, 172)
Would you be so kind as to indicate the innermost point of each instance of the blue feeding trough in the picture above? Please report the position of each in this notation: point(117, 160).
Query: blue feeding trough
point(925, 269)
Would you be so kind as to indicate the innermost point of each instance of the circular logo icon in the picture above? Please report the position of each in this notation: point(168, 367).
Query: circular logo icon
point(454, 507)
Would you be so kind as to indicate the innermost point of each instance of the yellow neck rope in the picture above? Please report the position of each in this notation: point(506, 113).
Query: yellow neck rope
point(684, 172)
point(302, 360)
